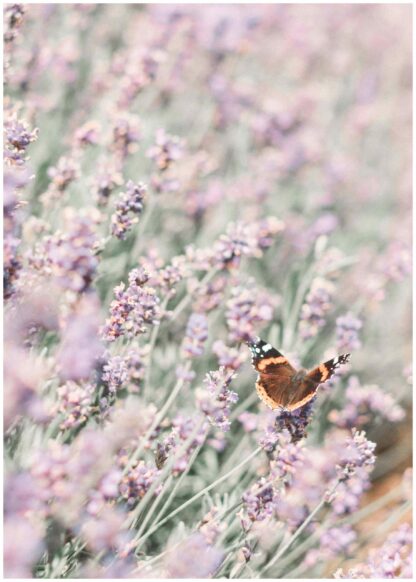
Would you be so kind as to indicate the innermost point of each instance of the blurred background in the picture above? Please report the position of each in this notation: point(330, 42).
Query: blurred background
point(228, 113)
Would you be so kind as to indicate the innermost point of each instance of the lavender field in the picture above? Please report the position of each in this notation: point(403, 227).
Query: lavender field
point(178, 181)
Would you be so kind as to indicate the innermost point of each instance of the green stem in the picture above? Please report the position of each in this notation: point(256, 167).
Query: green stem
point(189, 296)
point(201, 493)
point(300, 529)
point(159, 417)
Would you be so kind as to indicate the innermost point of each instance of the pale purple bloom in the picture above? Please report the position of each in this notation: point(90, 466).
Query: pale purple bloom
point(115, 373)
point(80, 350)
point(71, 255)
point(391, 560)
point(363, 403)
point(211, 526)
point(75, 403)
point(196, 335)
point(259, 503)
point(228, 357)
point(106, 532)
point(133, 308)
point(216, 398)
point(184, 429)
point(30, 534)
point(167, 149)
point(128, 209)
point(137, 481)
point(314, 311)
point(295, 422)
point(198, 559)
point(63, 174)
point(247, 308)
point(126, 135)
point(347, 330)
point(358, 452)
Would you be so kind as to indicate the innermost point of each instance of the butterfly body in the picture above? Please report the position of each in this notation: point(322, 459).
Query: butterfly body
point(279, 384)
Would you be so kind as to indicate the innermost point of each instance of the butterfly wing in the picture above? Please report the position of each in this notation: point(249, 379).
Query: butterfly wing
point(275, 374)
point(324, 371)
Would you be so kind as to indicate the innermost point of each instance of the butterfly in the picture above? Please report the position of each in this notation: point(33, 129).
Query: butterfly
point(279, 384)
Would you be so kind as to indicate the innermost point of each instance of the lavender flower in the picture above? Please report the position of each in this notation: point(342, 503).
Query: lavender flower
point(75, 404)
point(211, 527)
point(18, 564)
point(106, 181)
point(183, 427)
point(259, 503)
point(295, 422)
point(87, 134)
point(392, 560)
point(334, 542)
point(126, 135)
point(215, 400)
point(166, 150)
point(347, 330)
point(71, 255)
point(80, 349)
point(115, 373)
point(128, 209)
point(195, 336)
point(105, 532)
point(247, 307)
point(244, 239)
point(230, 358)
point(137, 481)
point(363, 403)
point(358, 452)
point(199, 559)
point(132, 309)
point(314, 310)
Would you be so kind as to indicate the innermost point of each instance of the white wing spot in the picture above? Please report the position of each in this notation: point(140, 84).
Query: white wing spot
point(267, 347)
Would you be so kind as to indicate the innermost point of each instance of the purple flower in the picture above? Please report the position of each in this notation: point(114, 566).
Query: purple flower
point(17, 135)
point(318, 303)
point(363, 403)
point(287, 459)
point(128, 209)
point(211, 526)
point(391, 560)
point(126, 135)
point(133, 308)
point(87, 134)
point(115, 373)
point(64, 173)
point(244, 239)
point(215, 399)
point(230, 358)
point(75, 403)
point(167, 149)
point(334, 542)
point(259, 503)
point(247, 307)
point(195, 336)
point(137, 481)
point(347, 328)
point(198, 559)
point(80, 349)
point(71, 255)
point(295, 422)
point(30, 533)
point(106, 181)
point(358, 452)
point(183, 428)
point(105, 532)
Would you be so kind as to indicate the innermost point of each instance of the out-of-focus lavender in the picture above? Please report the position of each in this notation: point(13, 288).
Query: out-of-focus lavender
point(179, 179)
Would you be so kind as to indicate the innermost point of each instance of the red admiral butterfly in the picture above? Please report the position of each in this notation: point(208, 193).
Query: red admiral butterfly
point(279, 385)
